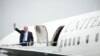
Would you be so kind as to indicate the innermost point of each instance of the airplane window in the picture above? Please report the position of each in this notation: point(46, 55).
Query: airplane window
point(74, 41)
point(69, 42)
point(97, 36)
point(87, 39)
point(65, 44)
point(78, 41)
point(61, 43)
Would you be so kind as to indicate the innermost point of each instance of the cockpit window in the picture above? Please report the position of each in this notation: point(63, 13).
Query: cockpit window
point(97, 37)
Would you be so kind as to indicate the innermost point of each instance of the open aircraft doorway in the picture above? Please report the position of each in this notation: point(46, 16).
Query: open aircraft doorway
point(42, 34)
point(56, 35)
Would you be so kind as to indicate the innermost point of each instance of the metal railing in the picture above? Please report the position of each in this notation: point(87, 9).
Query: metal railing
point(19, 45)
point(30, 43)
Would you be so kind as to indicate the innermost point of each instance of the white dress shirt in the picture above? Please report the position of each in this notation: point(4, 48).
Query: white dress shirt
point(25, 36)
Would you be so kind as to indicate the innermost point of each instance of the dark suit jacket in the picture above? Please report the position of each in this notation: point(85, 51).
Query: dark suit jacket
point(29, 38)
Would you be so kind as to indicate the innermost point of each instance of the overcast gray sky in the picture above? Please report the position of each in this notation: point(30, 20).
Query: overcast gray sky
point(30, 12)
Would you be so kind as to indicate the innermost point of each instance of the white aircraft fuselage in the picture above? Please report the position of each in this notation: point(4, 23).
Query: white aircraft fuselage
point(74, 36)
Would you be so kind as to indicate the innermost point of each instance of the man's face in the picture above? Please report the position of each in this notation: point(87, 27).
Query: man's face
point(25, 28)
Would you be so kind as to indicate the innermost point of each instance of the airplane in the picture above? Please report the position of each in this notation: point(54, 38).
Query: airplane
point(73, 36)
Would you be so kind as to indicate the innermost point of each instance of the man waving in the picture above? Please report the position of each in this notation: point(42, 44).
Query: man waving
point(26, 37)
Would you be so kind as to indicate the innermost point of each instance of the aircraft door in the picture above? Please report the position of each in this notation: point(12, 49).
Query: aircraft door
point(42, 34)
point(56, 35)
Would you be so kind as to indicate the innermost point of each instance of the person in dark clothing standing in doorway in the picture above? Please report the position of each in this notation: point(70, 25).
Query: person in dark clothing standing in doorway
point(26, 37)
